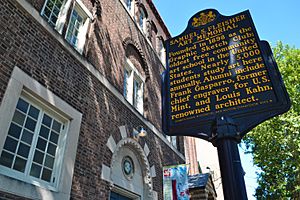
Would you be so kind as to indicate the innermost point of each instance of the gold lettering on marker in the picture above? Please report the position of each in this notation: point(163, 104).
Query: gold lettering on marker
point(217, 68)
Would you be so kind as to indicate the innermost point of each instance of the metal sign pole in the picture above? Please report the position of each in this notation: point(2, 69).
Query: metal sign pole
point(225, 139)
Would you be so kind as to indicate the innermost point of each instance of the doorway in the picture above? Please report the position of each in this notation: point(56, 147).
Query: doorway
point(116, 196)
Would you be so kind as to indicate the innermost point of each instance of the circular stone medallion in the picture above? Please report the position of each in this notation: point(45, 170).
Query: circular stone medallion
point(128, 167)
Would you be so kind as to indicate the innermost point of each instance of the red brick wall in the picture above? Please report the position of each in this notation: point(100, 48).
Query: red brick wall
point(26, 44)
point(106, 51)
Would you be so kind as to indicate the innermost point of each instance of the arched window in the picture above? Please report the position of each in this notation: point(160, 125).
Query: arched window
point(133, 88)
point(135, 75)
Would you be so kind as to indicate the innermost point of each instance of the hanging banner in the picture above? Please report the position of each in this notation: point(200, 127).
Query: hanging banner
point(218, 67)
point(175, 182)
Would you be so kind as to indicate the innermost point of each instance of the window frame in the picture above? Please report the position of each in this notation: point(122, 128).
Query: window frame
point(19, 82)
point(72, 28)
point(25, 176)
point(134, 75)
point(86, 16)
point(142, 20)
point(138, 90)
point(62, 20)
point(52, 11)
point(62, 16)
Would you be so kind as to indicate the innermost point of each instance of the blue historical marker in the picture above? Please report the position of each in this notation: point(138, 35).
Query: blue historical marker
point(221, 81)
point(217, 68)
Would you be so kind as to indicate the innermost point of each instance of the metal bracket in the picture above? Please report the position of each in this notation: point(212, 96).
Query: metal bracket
point(224, 128)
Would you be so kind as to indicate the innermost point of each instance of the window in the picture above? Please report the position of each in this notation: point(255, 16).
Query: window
point(161, 51)
point(38, 140)
point(51, 11)
point(142, 20)
point(127, 74)
point(151, 33)
point(78, 26)
point(34, 142)
point(55, 12)
point(133, 87)
point(76, 22)
point(137, 93)
point(129, 6)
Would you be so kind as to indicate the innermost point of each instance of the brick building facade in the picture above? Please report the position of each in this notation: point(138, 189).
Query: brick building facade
point(78, 80)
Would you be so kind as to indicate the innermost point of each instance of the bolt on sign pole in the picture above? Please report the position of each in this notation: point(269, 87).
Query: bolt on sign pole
point(221, 81)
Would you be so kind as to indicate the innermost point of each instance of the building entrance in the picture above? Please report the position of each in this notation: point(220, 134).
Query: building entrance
point(116, 196)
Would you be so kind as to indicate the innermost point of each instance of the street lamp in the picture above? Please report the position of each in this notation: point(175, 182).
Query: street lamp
point(140, 132)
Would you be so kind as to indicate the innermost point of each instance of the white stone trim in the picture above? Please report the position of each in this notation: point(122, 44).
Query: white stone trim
point(146, 150)
point(111, 144)
point(105, 173)
point(18, 82)
point(155, 195)
point(123, 132)
point(32, 11)
point(153, 171)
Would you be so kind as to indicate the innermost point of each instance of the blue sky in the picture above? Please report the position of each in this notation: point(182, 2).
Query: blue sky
point(274, 21)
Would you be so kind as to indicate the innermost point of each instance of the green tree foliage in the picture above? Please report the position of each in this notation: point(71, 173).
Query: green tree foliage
point(275, 144)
